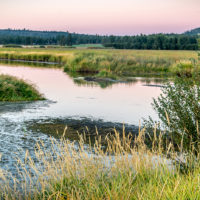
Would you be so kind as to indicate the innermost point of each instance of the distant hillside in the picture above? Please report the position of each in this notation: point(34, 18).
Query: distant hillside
point(195, 31)
point(30, 37)
point(30, 33)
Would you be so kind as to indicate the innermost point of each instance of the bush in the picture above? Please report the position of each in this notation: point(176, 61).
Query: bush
point(178, 109)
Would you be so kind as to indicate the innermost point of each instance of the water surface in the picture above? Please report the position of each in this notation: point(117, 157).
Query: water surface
point(119, 102)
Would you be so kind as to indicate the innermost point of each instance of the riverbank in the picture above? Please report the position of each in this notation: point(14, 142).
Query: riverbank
point(120, 170)
point(97, 165)
point(112, 64)
point(13, 89)
point(90, 127)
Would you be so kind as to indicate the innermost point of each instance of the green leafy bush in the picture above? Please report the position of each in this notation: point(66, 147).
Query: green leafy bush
point(178, 108)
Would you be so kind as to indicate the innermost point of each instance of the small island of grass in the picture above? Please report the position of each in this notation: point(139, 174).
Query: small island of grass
point(13, 89)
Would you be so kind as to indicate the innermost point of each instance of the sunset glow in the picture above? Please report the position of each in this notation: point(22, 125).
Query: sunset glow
point(119, 17)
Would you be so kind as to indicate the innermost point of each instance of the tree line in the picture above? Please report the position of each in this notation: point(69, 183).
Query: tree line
point(155, 41)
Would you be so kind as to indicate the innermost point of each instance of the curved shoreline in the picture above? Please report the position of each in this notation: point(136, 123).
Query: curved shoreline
point(30, 61)
point(13, 89)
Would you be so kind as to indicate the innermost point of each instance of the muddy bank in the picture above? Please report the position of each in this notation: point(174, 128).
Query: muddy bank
point(75, 127)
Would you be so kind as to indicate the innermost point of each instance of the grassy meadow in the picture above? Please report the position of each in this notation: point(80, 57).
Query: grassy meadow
point(109, 62)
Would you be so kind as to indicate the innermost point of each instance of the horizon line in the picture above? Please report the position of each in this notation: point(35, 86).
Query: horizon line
point(57, 31)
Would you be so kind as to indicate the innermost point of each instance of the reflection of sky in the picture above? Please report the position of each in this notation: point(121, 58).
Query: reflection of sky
point(119, 103)
point(101, 16)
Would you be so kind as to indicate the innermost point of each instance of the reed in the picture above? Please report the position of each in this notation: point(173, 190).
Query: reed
point(124, 168)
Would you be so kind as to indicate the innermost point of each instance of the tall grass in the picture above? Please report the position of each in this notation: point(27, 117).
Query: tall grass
point(13, 89)
point(106, 63)
point(124, 168)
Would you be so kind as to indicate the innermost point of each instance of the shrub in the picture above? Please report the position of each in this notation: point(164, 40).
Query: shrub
point(178, 109)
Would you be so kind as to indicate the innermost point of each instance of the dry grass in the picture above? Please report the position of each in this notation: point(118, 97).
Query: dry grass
point(122, 169)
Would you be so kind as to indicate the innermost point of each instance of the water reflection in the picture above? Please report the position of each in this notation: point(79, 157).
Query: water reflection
point(123, 102)
point(29, 63)
point(120, 102)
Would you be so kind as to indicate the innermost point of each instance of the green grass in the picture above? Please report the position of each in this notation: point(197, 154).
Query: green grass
point(13, 89)
point(108, 62)
point(89, 46)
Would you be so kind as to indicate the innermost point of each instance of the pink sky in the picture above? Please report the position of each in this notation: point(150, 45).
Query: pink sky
point(119, 17)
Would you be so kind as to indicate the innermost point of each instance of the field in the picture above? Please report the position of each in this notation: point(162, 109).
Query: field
point(109, 62)
point(89, 46)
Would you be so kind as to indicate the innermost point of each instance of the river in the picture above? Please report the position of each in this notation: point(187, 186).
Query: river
point(120, 102)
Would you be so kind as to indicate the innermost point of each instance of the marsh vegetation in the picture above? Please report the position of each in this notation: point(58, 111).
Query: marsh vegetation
point(160, 161)
point(125, 168)
point(111, 63)
point(13, 89)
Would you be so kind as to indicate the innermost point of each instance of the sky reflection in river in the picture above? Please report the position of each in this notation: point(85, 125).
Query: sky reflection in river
point(120, 102)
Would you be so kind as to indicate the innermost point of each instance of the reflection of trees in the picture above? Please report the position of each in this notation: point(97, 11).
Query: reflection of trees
point(102, 84)
point(128, 81)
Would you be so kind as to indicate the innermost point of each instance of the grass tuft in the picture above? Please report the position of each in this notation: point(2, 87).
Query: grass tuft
point(13, 89)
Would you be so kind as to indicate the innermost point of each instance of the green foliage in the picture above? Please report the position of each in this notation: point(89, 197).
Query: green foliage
point(155, 41)
point(42, 46)
point(183, 68)
point(178, 109)
point(12, 46)
point(198, 43)
point(108, 63)
point(195, 31)
point(13, 89)
point(69, 39)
